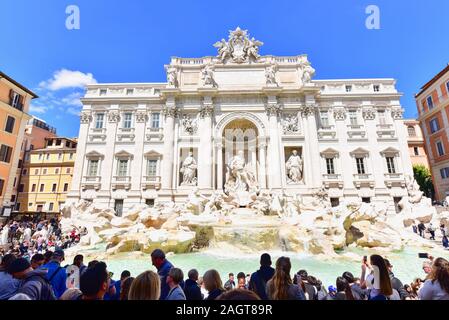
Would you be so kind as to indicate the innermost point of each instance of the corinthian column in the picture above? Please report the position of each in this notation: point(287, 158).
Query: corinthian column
point(205, 149)
point(274, 164)
point(168, 160)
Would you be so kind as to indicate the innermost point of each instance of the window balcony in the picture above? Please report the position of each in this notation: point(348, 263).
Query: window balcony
point(327, 132)
point(333, 181)
point(151, 182)
point(394, 180)
point(121, 182)
point(154, 134)
point(364, 180)
point(91, 182)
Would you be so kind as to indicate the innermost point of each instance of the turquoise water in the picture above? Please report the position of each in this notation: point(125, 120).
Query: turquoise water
point(406, 264)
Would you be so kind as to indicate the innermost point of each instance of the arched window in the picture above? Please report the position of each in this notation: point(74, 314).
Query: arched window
point(411, 131)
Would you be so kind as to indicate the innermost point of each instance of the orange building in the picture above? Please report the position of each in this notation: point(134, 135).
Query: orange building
point(433, 108)
point(14, 105)
point(416, 147)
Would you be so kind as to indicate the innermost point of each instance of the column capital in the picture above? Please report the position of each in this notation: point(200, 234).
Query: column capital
point(170, 111)
point(141, 116)
point(397, 113)
point(113, 116)
point(369, 113)
point(308, 109)
point(206, 110)
point(273, 109)
point(85, 117)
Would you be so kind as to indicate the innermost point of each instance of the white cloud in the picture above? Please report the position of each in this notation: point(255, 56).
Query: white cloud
point(63, 79)
point(73, 111)
point(37, 109)
point(73, 99)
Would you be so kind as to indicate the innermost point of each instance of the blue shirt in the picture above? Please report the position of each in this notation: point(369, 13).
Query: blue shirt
point(8, 285)
point(163, 273)
point(58, 282)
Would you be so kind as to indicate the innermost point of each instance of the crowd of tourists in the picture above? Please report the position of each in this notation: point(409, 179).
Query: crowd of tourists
point(43, 277)
point(423, 230)
point(27, 238)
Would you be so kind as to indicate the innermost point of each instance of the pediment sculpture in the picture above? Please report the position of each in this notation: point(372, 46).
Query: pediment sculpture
point(239, 48)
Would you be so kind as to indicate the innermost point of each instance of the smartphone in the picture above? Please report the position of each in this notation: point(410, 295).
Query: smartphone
point(423, 255)
point(365, 259)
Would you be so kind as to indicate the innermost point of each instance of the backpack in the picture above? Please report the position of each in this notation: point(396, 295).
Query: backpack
point(46, 288)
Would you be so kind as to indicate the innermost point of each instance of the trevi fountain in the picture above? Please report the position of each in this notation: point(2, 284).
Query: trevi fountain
point(229, 229)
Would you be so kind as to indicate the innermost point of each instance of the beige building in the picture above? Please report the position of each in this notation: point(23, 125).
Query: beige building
point(47, 176)
point(415, 140)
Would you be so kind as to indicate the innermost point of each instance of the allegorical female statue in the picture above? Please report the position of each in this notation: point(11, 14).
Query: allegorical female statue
point(188, 171)
point(294, 168)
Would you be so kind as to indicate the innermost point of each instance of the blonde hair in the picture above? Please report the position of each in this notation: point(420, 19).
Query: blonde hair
point(147, 286)
point(212, 280)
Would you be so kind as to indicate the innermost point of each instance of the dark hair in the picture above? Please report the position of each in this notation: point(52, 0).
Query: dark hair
point(92, 264)
point(125, 274)
point(384, 278)
point(303, 274)
point(7, 260)
point(193, 274)
point(343, 285)
point(238, 294)
point(37, 257)
point(78, 258)
point(265, 260)
point(440, 273)
point(124, 288)
point(281, 280)
point(241, 275)
point(48, 255)
point(348, 276)
point(387, 263)
point(158, 254)
point(93, 278)
point(231, 274)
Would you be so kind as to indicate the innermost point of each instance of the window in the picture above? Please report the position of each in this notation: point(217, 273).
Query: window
point(57, 171)
point(330, 166)
point(324, 118)
point(151, 168)
point(440, 148)
point(348, 88)
point(434, 125)
point(10, 121)
point(5, 153)
point(360, 165)
point(50, 207)
point(390, 165)
point(40, 156)
point(353, 117)
point(129, 92)
point(447, 87)
point(430, 102)
point(24, 172)
point(58, 142)
point(376, 88)
point(103, 92)
point(366, 200)
point(155, 120)
point(411, 131)
point(2, 183)
point(71, 156)
point(59, 156)
point(127, 120)
point(118, 207)
point(67, 144)
point(444, 173)
point(382, 117)
point(335, 202)
point(39, 207)
point(50, 143)
point(47, 156)
point(122, 170)
point(41, 189)
point(16, 100)
point(53, 188)
point(36, 172)
point(416, 151)
point(67, 171)
point(149, 202)
point(99, 121)
point(66, 187)
point(18, 206)
point(44, 171)
point(14, 184)
point(21, 187)
point(13, 198)
point(92, 168)
point(33, 188)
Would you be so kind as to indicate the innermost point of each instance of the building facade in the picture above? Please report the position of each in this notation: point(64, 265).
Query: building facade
point(217, 117)
point(416, 147)
point(433, 108)
point(47, 177)
point(14, 105)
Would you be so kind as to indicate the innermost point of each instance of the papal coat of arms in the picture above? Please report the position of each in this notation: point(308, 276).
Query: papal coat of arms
point(239, 48)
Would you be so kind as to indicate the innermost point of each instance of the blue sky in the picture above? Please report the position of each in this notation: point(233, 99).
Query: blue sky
point(130, 41)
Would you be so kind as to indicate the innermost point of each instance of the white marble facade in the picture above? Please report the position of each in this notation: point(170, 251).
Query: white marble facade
point(345, 135)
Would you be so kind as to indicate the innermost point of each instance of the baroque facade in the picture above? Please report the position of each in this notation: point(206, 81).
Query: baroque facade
point(241, 123)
